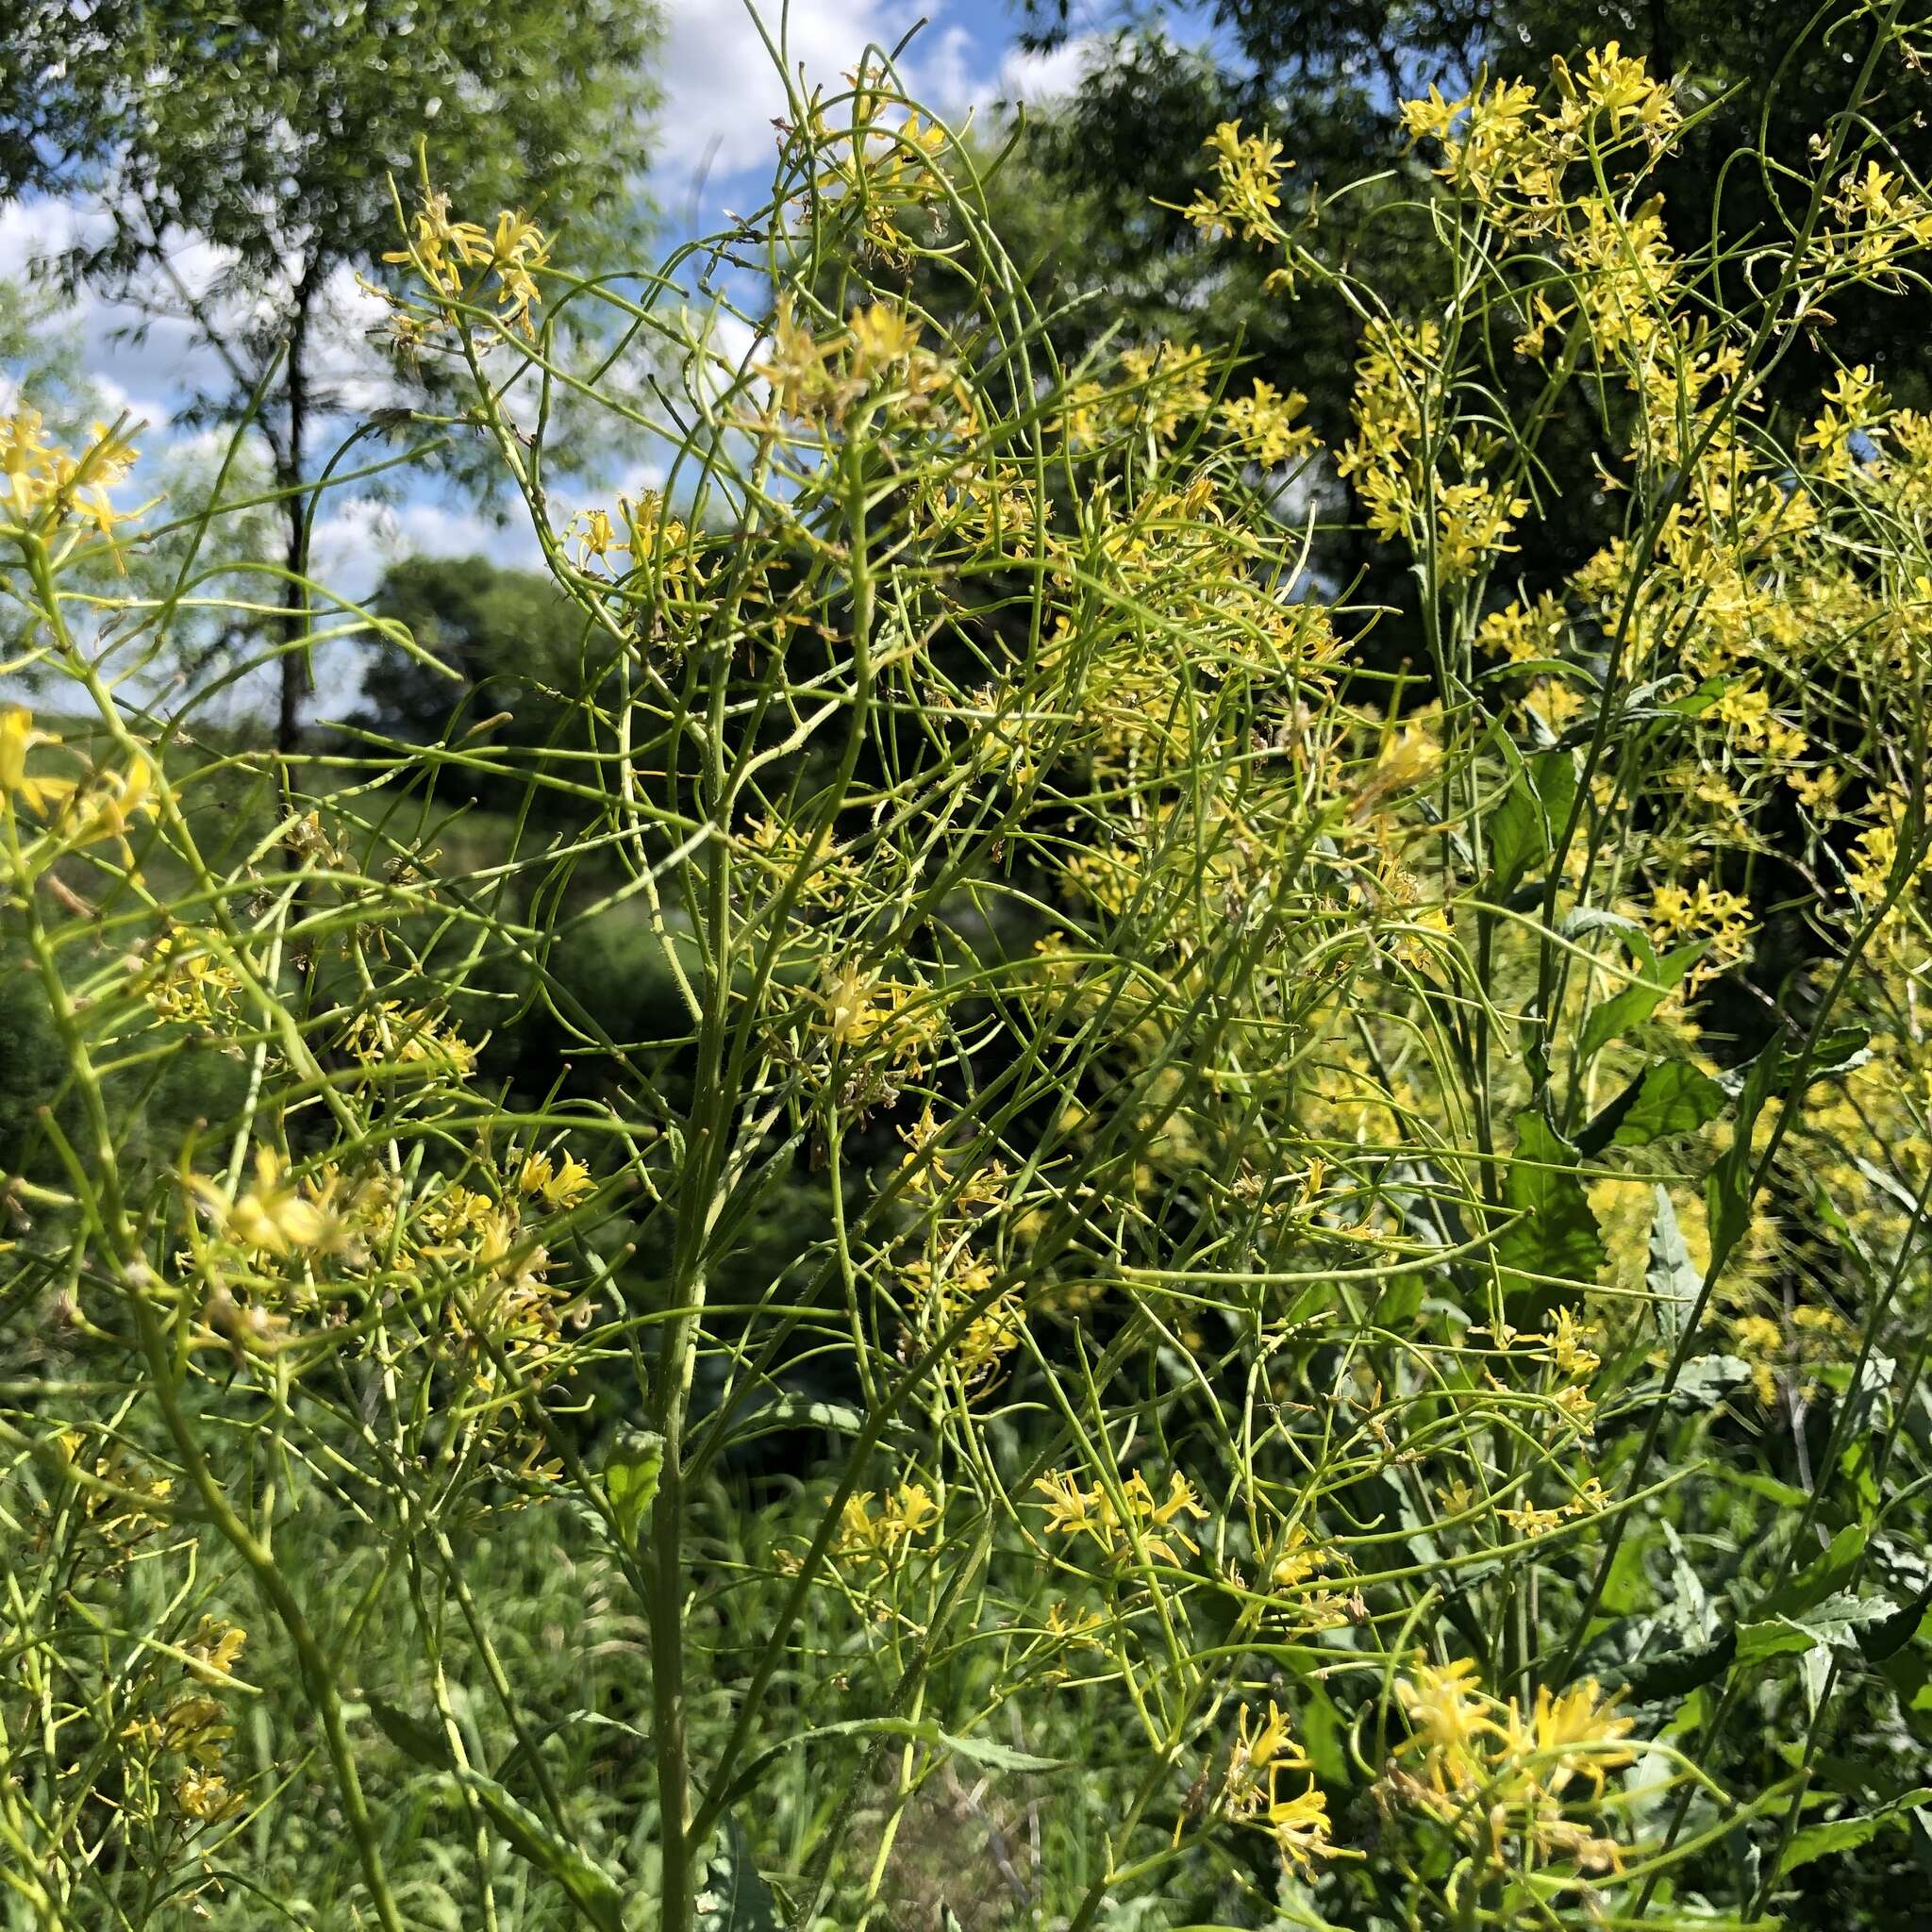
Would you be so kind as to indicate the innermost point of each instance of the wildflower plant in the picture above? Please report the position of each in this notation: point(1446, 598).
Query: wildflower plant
point(1301, 1366)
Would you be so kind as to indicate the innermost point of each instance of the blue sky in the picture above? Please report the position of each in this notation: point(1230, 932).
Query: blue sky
point(714, 145)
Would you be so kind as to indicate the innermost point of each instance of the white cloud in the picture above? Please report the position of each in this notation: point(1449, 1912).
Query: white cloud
point(723, 88)
point(1028, 76)
point(358, 538)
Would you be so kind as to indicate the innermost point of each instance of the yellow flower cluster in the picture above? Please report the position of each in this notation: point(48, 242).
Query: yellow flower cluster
point(182, 980)
point(271, 1217)
point(193, 1727)
point(43, 485)
point(876, 169)
point(446, 253)
point(1417, 482)
point(1882, 217)
point(958, 1289)
point(877, 360)
point(561, 1184)
point(1512, 159)
point(1137, 1525)
point(1502, 1778)
point(864, 1009)
point(1247, 187)
point(643, 531)
point(1250, 1791)
point(100, 806)
point(389, 1035)
point(1703, 911)
point(1264, 427)
point(867, 1536)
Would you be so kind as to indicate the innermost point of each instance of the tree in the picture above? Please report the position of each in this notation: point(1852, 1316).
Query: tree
point(42, 371)
point(514, 643)
point(271, 134)
point(1327, 79)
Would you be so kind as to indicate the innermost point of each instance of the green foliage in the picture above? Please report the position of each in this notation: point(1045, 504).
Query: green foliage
point(274, 136)
point(979, 1230)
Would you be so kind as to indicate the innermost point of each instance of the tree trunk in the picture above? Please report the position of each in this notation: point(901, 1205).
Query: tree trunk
point(295, 669)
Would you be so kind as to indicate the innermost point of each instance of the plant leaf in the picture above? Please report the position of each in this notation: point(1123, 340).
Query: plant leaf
point(1668, 1097)
point(1557, 1235)
point(1673, 1674)
point(1674, 1279)
point(1525, 826)
point(413, 1738)
point(1846, 1834)
point(591, 1889)
point(736, 1898)
point(630, 1478)
point(1728, 1189)
point(1613, 1018)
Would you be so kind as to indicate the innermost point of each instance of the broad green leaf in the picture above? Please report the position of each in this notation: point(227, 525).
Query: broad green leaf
point(735, 1898)
point(1668, 1097)
point(630, 1478)
point(1847, 1834)
point(1672, 1098)
point(413, 1738)
point(1674, 1279)
point(1525, 825)
point(1699, 701)
point(1705, 1377)
point(1891, 1635)
point(591, 1889)
point(1831, 1624)
point(1828, 1573)
point(1785, 1496)
point(1557, 1235)
point(1613, 1018)
point(1674, 1674)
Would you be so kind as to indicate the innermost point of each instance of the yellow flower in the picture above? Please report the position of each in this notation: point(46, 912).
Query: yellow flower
point(1263, 423)
point(1299, 1560)
point(1451, 1719)
point(1181, 1501)
point(271, 1217)
point(1571, 1735)
point(1530, 1521)
point(1072, 1511)
point(800, 384)
point(111, 805)
point(1568, 1349)
point(558, 1184)
point(389, 1034)
point(204, 1796)
point(17, 738)
point(881, 336)
point(865, 1537)
point(214, 1649)
point(27, 460)
point(1247, 191)
point(38, 472)
point(443, 248)
point(596, 536)
point(1620, 85)
point(1300, 1828)
point(1474, 521)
